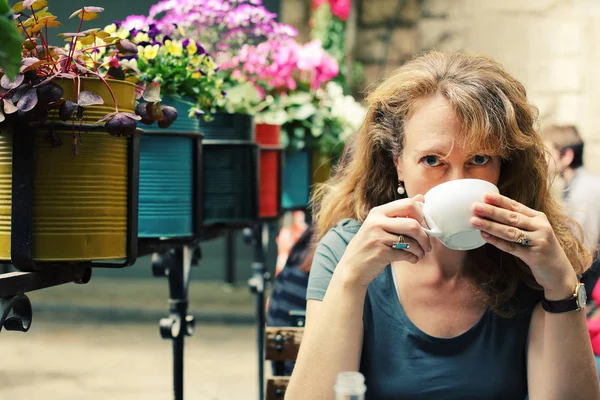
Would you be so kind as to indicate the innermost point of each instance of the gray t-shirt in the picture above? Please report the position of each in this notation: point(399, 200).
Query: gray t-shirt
point(400, 361)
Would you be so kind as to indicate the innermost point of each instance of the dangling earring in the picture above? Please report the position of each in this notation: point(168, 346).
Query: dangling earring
point(401, 189)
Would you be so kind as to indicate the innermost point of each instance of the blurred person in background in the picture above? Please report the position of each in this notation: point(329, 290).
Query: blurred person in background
point(581, 192)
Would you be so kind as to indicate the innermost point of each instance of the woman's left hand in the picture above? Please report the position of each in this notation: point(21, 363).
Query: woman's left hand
point(504, 221)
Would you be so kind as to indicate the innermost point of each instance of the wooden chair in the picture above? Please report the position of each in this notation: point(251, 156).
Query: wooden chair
point(282, 344)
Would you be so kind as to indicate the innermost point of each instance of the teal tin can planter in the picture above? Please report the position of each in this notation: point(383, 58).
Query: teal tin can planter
point(230, 170)
point(170, 190)
point(296, 180)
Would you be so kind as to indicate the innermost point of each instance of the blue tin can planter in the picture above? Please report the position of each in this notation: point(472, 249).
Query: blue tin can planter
point(296, 180)
point(170, 180)
point(230, 159)
point(166, 186)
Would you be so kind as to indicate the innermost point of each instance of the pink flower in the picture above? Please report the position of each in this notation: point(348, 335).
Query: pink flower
point(339, 8)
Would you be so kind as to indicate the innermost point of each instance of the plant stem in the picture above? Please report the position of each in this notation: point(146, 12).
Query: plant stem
point(74, 41)
point(110, 91)
point(29, 38)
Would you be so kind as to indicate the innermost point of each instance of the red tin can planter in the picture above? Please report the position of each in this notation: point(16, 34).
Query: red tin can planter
point(270, 175)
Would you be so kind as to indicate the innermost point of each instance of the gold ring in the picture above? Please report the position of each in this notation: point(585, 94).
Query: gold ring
point(524, 239)
point(400, 244)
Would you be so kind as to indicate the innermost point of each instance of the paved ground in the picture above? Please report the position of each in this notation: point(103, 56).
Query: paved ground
point(101, 341)
point(89, 361)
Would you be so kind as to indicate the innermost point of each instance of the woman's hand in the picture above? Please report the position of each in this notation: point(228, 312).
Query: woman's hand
point(504, 221)
point(370, 251)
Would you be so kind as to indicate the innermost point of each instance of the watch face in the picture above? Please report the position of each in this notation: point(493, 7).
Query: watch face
point(581, 296)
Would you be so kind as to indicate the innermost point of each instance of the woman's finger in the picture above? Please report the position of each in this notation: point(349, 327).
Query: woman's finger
point(408, 227)
point(413, 246)
point(403, 208)
point(504, 216)
point(509, 204)
point(508, 233)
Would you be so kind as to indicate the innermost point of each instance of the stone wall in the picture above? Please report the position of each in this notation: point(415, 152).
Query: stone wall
point(552, 46)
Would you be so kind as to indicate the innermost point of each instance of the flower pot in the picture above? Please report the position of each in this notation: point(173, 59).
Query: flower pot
point(168, 185)
point(230, 159)
point(229, 127)
point(296, 180)
point(267, 137)
point(121, 89)
point(79, 209)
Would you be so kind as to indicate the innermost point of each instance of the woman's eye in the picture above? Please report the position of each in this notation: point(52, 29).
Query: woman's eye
point(480, 160)
point(431, 161)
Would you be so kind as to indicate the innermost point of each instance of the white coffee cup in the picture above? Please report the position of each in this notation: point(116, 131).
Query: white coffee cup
point(448, 209)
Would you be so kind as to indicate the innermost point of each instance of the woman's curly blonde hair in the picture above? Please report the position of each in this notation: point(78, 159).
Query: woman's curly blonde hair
point(496, 119)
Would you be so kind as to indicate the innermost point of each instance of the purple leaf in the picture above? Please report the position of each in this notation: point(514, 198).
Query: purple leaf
point(50, 92)
point(9, 107)
point(28, 3)
point(67, 110)
point(28, 61)
point(28, 100)
point(72, 34)
point(152, 93)
point(121, 125)
point(132, 116)
point(106, 117)
point(142, 111)
point(89, 99)
point(6, 83)
point(169, 116)
point(125, 46)
point(93, 9)
point(139, 89)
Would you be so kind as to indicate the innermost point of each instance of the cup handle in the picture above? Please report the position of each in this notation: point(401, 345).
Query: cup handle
point(433, 230)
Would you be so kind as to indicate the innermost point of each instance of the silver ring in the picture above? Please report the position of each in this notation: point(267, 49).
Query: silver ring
point(400, 244)
point(523, 239)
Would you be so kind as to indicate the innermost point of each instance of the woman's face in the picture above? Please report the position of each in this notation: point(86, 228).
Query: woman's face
point(429, 157)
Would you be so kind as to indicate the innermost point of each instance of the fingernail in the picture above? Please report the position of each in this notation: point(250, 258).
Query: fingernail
point(477, 222)
point(478, 207)
point(485, 235)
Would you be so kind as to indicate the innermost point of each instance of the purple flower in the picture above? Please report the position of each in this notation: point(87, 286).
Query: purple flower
point(138, 22)
point(153, 31)
point(185, 43)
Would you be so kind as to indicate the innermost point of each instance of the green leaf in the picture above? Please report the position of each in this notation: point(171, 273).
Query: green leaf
point(10, 51)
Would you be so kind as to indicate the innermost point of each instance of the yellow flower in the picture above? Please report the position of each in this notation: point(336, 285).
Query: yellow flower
point(191, 47)
point(112, 28)
point(141, 37)
point(122, 33)
point(173, 47)
point(150, 52)
point(196, 75)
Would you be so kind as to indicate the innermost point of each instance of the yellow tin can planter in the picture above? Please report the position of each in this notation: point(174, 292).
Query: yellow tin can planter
point(80, 202)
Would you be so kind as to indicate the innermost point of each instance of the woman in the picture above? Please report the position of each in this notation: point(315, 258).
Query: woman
point(428, 322)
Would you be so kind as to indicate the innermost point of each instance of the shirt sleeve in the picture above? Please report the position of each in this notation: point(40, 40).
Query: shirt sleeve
point(328, 253)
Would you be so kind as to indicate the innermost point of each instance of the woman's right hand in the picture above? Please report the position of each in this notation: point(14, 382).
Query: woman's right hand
point(370, 251)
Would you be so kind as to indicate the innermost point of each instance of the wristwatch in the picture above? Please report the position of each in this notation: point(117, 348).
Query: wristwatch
point(575, 302)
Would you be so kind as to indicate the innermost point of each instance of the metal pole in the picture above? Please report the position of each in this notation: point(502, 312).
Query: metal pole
point(178, 325)
point(230, 257)
point(256, 283)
